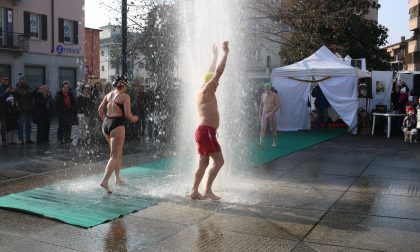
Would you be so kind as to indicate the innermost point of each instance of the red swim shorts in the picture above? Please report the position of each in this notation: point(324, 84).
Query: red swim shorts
point(205, 137)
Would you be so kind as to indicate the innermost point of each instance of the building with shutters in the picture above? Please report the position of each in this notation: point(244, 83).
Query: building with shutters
point(42, 39)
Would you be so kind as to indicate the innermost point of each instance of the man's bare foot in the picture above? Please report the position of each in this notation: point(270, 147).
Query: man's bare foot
point(274, 145)
point(196, 195)
point(106, 188)
point(119, 181)
point(212, 196)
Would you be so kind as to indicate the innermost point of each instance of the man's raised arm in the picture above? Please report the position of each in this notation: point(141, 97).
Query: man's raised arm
point(221, 67)
point(212, 68)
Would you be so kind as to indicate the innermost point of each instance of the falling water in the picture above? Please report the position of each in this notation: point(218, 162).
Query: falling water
point(203, 23)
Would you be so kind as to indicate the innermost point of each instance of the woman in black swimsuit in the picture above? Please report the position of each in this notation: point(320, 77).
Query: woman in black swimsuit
point(115, 107)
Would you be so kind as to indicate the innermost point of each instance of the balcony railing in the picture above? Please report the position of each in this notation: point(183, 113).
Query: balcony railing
point(14, 41)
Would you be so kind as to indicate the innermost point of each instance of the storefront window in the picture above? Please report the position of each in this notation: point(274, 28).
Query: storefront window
point(35, 75)
point(68, 74)
point(5, 71)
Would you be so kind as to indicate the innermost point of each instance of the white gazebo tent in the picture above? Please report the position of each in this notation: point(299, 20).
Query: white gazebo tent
point(337, 80)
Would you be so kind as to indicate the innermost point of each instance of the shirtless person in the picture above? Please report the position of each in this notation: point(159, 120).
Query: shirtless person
point(205, 135)
point(268, 107)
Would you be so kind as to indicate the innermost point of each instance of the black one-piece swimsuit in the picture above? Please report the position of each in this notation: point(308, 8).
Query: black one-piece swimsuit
point(111, 123)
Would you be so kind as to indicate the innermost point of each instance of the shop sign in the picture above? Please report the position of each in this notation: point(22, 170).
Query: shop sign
point(62, 49)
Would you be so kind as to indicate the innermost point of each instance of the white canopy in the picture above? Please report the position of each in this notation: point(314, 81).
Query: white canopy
point(337, 81)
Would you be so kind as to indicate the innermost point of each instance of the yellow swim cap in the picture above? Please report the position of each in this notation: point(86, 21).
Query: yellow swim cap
point(208, 76)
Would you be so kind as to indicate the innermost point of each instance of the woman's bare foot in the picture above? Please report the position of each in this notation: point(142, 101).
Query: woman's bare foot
point(119, 181)
point(195, 195)
point(211, 195)
point(106, 188)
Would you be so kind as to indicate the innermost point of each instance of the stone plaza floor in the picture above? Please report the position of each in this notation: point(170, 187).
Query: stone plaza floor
point(352, 193)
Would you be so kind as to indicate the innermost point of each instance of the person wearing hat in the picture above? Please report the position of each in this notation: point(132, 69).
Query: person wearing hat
point(409, 126)
point(114, 108)
point(267, 112)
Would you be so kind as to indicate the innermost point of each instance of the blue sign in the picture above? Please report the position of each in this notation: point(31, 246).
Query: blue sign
point(61, 49)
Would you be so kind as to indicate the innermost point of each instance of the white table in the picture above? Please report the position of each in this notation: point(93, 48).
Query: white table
point(388, 115)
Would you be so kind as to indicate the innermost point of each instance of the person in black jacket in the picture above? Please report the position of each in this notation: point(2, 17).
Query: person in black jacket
point(24, 100)
point(4, 88)
point(43, 107)
point(65, 107)
point(11, 119)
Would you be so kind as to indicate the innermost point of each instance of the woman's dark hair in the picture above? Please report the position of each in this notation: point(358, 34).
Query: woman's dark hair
point(65, 83)
point(118, 79)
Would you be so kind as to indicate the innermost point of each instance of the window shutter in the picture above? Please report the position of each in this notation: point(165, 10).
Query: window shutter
point(44, 29)
point(75, 32)
point(61, 30)
point(26, 24)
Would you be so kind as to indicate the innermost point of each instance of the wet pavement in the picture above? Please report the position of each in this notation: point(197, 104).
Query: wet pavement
point(352, 193)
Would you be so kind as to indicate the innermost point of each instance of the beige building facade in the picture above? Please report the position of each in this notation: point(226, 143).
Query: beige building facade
point(43, 40)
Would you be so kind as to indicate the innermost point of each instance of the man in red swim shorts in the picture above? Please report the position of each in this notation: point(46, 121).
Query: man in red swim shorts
point(205, 135)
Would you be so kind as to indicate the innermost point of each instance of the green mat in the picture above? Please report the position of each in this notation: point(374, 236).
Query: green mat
point(83, 203)
point(287, 143)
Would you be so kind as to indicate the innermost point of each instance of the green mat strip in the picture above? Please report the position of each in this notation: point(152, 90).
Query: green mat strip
point(88, 208)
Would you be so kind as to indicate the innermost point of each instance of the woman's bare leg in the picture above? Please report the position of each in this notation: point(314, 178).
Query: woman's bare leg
point(115, 154)
point(121, 136)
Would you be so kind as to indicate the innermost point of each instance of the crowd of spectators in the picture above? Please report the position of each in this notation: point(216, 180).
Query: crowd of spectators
point(20, 107)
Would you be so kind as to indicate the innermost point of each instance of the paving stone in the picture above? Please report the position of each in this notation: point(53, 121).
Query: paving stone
point(206, 239)
point(11, 174)
point(281, 164)
point(7, 239)
point(331, 168)
point(299, 156)
point(316, 181)
point(127, 232)
point(408, 162)
point(380, 205)
point(374, 184)
point(26, 245)
point(274, 222)
point(267, 172)
point(30, 165)
point(314, 247)
point(25, 225)
point(303, 198)
point(325, 157)
point(367, 232)
point(177, 213)
point(392, 172)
